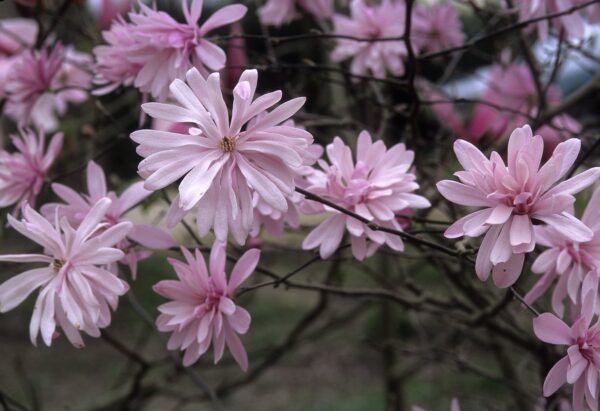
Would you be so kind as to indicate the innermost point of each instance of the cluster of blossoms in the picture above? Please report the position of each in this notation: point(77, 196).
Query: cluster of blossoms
point(153, 42)
point(509, 99)
point(515, 196)
point(241, 164)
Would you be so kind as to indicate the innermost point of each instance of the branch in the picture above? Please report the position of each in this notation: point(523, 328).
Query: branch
point(376, 227)
point(507, 29)
point(315, 34)
point(43, 35)
point(572, 99)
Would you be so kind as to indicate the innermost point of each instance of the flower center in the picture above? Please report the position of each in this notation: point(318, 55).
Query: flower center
point(57, 264)
point(522, 202)
point(573, 250)
point(586, 350)
point(227, 144)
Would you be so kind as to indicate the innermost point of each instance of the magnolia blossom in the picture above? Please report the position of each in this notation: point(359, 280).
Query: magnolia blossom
point(280, 12)
point(154, 49)
point(569, 261)
point(22, 173)
point(437, 27)
point(202, 309)
point(514, 195)
point(581, 364)
point(225, 159)
point(377, 187)
point(43, 82)
point(571, 23)
point(372, 22)
point(78, 206)
point(16, 35)
point(113, 67)
point(77, 293)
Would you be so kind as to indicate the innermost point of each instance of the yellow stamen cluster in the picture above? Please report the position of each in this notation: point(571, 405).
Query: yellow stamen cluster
point(227, 144)
point(57, 264)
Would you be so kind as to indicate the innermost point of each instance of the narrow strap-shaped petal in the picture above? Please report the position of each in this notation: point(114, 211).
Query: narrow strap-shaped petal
point(557, 376)
point(243, 268)
point(16, 289)
point(222, 17)
point(552, 330)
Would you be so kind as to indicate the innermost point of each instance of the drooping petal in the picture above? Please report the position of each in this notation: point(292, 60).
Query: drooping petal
point(506, 273)
point(557, 376)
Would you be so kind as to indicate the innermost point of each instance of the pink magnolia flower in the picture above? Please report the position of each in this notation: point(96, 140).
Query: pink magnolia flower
point(78, 206)
point(76, 292)
point(22, 173)
point(567, 260)
point(377, 187)
point(514, 195)
point(280, 12)
point(572, 23)
point(581, 364)
point(162, 49)
point(454, 406)
point(113, 66)
point(379, 21)
point(43, 82)
point(202, 309)
point(224, 159)
point(437, 27)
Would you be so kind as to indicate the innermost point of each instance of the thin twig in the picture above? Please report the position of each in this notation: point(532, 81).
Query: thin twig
point(504, 30)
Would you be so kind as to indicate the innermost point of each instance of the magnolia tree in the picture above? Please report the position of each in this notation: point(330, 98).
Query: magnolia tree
point(374, 161)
